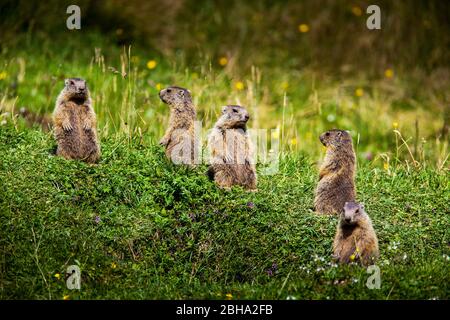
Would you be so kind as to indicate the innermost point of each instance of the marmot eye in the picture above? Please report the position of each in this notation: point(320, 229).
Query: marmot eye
point(327, 134)
point(72, 83)
point(169, 90)
point(235, 110)
point(357, 211)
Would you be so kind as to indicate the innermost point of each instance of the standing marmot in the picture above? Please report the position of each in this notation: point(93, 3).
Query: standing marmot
point(231, 150)
point(75, 123)
point(355, 238)
point(179, 140)
point(336, 178)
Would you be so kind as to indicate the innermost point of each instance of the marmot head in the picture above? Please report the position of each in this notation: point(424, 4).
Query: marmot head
point(335, 138)
point(76, 88)
point(175, 96)
point(353, 213)
point(233, 117)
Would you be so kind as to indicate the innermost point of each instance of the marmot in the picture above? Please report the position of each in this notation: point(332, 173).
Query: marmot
point(355, 238)
point(336, 178)
point(75, 123)
point(231, 150)
point(180, 139)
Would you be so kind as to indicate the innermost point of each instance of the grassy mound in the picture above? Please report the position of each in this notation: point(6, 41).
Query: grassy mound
point(139, 227)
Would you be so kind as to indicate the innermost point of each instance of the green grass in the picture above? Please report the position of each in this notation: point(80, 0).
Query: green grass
point(301, 103)
point(170, 233)
point(139, 227)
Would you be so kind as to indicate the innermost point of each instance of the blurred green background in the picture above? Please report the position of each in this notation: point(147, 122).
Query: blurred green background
point(300, 66)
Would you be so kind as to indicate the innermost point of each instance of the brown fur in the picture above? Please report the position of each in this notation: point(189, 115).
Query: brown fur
point(355, 239)
point(231, 150)
point(179, 140)
point(336, 177)
point(75, 124)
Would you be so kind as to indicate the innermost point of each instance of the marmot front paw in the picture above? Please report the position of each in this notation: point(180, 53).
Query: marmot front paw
point(67, 126)
point(164, 142)
point(87, 126)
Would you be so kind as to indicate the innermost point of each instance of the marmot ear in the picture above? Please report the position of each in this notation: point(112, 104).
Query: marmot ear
point(361, 205)
point(66, 82)
point(224, 109)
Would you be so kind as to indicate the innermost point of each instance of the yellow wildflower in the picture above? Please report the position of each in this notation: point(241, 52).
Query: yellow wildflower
point(57, 276)
point(113, 265)
point(284, 85)
point(303, 28)
point(3, 75)
point(359, 92)
point(151, 64)
point(66, 297)
point(352, 257)
point(389, 73)
point(386, 166)
point(158, 86)
point(357, 11)
point(294, 141)
point(239, 85)
point(229, 296)
point(223, 61)
point(395, 125)
point(275, 134)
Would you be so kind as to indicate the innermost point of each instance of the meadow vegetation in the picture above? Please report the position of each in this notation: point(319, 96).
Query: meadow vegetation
point(139, 227)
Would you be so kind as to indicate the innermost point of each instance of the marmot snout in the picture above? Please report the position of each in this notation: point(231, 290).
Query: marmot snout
point(353, 212)
point(76, 89)
point(175, 96)
point(233, 117)
point(335, 138)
